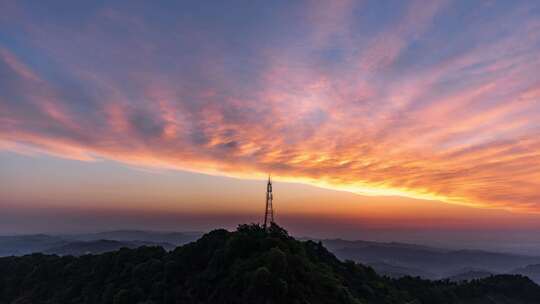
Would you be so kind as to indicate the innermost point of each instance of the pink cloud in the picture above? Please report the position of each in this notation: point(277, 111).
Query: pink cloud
point(462, 128)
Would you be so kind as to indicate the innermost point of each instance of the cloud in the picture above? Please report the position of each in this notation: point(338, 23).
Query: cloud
point(400, 107)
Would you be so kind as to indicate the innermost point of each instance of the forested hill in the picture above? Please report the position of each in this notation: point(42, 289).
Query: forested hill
point(249, 265)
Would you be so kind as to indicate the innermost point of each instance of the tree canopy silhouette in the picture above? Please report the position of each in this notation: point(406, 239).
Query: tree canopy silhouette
point(249, 265)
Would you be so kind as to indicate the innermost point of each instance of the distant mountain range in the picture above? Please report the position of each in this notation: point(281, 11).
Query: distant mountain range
point(395, 272)
point(26, 244)
point(78, 244)
point(394, 260)
point(101, 246)
point(400, 259)
point(468, 275)
point(175, 238)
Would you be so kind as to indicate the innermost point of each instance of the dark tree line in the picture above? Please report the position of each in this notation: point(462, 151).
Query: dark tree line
point(250, 265)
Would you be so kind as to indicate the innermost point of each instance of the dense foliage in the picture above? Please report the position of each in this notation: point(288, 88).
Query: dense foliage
point(250, 265)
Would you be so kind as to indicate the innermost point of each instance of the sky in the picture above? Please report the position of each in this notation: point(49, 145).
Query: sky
point(412, 117)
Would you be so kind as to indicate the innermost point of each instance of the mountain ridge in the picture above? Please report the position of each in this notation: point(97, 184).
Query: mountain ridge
point(249, 265)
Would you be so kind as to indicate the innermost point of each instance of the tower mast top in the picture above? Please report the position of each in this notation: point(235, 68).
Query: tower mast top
point(269, 211)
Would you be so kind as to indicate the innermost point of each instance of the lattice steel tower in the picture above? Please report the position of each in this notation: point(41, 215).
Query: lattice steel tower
point(269, 212)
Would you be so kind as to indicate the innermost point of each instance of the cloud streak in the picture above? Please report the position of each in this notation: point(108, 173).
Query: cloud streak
point(438, 102)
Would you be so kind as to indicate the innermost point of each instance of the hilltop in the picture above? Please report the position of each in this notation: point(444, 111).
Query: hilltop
point(249, 265)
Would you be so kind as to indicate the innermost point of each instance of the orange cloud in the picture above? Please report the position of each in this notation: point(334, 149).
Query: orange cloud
point(401, 112)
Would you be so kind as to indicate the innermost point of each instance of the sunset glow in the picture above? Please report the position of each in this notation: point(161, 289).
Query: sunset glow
point(429, 100)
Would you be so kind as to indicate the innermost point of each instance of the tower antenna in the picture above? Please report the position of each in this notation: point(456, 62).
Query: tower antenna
point(269, 211)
